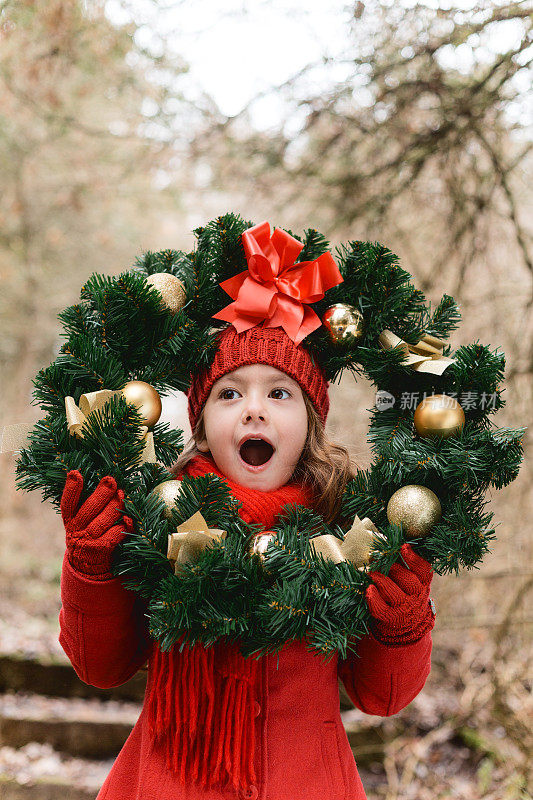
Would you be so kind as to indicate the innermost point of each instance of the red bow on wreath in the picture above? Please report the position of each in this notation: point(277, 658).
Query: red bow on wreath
point(274, 288)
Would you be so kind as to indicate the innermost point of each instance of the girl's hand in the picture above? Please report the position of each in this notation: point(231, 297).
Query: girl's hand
point(400, 603)
point(94, 530)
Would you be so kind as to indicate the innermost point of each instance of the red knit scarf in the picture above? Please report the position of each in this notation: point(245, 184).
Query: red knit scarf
point(201, 700)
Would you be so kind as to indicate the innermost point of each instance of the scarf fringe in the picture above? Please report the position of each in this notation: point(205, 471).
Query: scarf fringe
point(201, 709)
point(201, 700)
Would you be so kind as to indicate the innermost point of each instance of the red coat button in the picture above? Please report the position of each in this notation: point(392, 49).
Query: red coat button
point(257, 708)
point(250, 793)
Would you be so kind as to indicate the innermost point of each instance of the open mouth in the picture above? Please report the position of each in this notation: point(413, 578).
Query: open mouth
point(256, 452)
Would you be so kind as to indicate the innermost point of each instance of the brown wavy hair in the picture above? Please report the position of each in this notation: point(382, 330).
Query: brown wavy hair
point(323, 466)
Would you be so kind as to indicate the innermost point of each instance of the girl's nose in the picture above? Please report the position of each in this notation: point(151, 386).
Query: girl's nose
point(254, 410)
point(250, 416)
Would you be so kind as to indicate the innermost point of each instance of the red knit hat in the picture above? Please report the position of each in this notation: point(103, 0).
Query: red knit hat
point(260, 345)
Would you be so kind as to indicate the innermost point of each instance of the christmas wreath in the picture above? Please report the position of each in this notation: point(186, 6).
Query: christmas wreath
point(143, 334)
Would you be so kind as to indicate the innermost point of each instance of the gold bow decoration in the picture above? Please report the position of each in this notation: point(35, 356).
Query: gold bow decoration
point(424, 356)
point(357, 546)
point(16, 437)
point(94, 401)
point(190, 540)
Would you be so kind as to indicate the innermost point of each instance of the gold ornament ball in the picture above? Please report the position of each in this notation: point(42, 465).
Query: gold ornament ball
point(416, 508)
point(145, 398)
point(170, 288)
point(168, 492)
point(344, 324)
point(260, 544)
point(439, 415)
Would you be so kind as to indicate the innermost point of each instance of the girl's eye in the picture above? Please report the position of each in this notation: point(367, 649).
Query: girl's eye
point(224, 394)
point(288, 394)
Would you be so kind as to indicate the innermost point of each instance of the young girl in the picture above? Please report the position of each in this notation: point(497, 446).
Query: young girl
point(215, 725)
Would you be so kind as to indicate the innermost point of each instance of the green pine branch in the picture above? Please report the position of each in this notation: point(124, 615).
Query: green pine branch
point(122, 331)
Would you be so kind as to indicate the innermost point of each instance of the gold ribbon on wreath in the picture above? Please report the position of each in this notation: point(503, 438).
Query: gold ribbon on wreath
point(356, 547)
point(190, 540)
point(16, 437)
point(94, 401)
point(424, 356)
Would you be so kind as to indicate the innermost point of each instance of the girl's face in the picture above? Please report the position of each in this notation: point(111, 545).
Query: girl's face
point(255, 426)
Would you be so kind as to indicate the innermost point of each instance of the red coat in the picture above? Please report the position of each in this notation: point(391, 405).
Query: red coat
point(302, 751)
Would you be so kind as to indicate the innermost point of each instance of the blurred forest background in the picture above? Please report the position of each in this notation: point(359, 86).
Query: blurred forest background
point(413, 128)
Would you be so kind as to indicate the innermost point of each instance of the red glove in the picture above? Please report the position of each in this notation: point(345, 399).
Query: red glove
point(400, 603)
point(93, 532)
